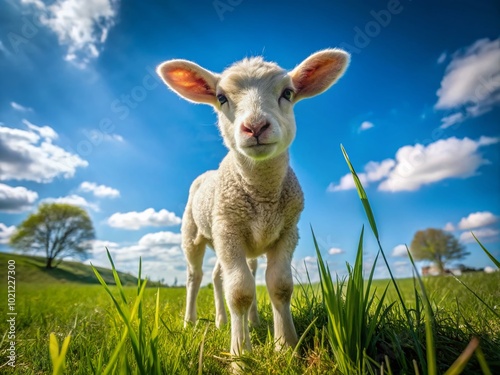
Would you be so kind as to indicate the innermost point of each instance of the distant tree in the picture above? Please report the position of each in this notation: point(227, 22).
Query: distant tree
point(58, 229)
point(438, 246)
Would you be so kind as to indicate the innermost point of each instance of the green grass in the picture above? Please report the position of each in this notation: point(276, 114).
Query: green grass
point(436, 325)
point(88, 315)
point(31, 269)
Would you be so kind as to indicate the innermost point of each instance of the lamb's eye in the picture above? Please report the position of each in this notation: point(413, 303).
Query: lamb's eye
point(287, 94)
point(222, 99)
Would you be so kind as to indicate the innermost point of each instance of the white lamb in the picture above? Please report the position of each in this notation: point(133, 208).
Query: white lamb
point(251, 205)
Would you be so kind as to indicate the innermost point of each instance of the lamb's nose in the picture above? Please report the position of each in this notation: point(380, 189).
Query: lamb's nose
point(255, 129)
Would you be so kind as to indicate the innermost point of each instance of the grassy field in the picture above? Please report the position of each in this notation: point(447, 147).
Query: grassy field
point(31, 270)
point(439, 325)
point(89, 316)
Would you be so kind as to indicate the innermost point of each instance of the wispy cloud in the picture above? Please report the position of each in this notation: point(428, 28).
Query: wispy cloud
point(365, 125)
point(81, 26)
point(100, 191)
point(74, 200)
point(442, 57)
point(20, 108)
point(471, 84)
point(335, 251)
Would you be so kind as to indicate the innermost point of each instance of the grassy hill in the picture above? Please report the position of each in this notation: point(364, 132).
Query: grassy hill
point(31, 269)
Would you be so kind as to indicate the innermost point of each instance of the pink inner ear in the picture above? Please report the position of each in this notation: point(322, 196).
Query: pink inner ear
point(190, 81)
point(317, 75)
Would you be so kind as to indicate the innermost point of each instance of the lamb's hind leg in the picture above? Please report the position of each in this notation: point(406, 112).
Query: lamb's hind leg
point(194, 250)
point(253, 315)
point(220, 309)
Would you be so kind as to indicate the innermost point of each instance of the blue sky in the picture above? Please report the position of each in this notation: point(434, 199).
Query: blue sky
point(84, 119)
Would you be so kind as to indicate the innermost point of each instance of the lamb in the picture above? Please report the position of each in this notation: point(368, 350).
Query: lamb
point(251, 204)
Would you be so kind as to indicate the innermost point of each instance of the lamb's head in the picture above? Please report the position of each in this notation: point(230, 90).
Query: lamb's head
point(254, 99)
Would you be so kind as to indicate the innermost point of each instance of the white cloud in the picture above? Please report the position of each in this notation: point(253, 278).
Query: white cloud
point(31, 155)
point(37, 3)
point(160, 254)
point(160, 239)
point(454, 118)
point(149, 217)
point(399, 251)
point(374, 171)
point(101, 245)
point(43, 131)
point(420, 165)
point(365, 125)
point(82, 26)
point(442, 57)
point(335, 251)
point(347, 182)
point(483, 234)
point(449, 227)
point(477, 220)
point(101, 191)
point(471, 82)
point(16, 199)
point(20, 108)
point(6, 232)
point(74, 200)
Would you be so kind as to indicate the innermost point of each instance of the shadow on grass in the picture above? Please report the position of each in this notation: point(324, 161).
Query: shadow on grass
point(81, 275)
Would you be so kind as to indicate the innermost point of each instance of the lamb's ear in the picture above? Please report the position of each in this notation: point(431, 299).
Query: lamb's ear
point(318, 72)
point(189, 80)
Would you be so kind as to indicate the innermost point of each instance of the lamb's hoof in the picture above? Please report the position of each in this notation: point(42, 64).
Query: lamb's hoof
point(254, 322)
point(238, 367)
point(220, 321)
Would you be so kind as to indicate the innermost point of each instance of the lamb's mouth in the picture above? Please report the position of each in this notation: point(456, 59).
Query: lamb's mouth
point(259, 145)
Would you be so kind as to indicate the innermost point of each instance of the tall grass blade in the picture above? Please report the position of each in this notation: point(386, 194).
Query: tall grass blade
point(296, 349)
point(58, 357)
point(482, 361)
point(116, 277)
point(127, 318)
point(362, 194)
point(429, 322)
point(371, 220)
point(200, 358)
point(492, 258)
point(458, 366)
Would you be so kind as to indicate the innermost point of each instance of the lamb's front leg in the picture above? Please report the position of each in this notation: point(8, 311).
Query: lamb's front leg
point(239, 288)
point(279, 282)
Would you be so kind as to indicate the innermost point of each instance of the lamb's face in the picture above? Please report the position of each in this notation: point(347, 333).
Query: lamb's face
point(255, 108)
point(254, 98)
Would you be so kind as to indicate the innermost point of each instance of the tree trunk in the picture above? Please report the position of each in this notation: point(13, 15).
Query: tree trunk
point(440, 266)
point(48, 265)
